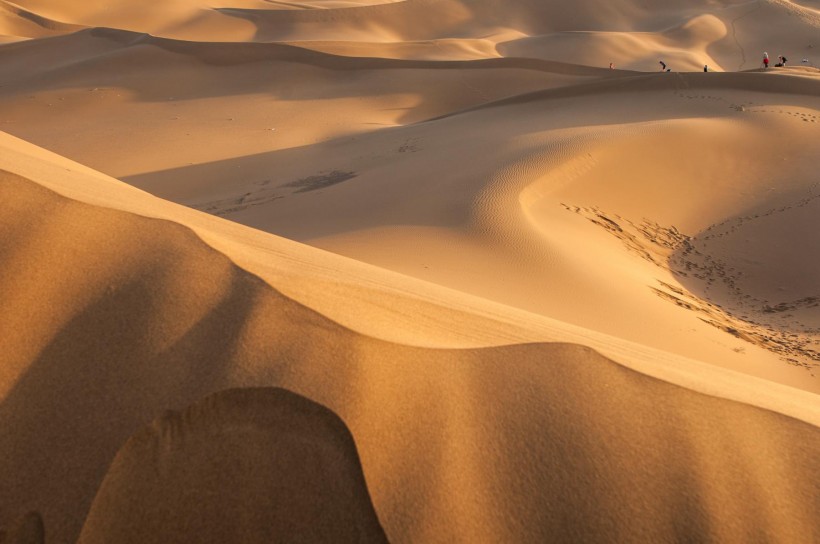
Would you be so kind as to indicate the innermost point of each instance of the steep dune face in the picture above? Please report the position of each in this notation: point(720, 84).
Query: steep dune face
point(116, 318)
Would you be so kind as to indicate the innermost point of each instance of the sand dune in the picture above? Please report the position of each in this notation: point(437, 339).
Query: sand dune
point(284, 155)
point(19, 23)
point(549, 299)
point(529, 433)
point(245, 465)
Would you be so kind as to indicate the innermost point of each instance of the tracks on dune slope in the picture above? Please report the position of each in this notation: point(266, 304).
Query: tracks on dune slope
point(734, 32)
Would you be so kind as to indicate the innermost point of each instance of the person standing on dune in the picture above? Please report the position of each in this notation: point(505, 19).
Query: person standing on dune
point(765, 60)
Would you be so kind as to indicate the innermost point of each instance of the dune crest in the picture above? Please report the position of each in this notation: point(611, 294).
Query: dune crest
point(19, 23)
point(542, 439)
point(553, 264)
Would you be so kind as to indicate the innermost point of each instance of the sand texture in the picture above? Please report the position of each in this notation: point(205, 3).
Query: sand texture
point(244, 465)
point(418, 270)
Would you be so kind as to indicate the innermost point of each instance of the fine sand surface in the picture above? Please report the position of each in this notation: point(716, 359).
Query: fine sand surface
point(549, 300)
point(244, 465)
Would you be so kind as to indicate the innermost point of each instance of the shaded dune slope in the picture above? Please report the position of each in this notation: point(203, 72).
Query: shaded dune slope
point(29, 529)
point(243, 465)
point(17, 22)
point(116, 318)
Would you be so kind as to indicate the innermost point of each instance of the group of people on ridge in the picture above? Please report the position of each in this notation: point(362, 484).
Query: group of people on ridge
point(781, 61)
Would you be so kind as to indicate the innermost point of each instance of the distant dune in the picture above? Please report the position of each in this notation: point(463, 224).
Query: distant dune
point(545, 290)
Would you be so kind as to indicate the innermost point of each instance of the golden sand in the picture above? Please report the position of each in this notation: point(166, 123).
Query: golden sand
point(549, 300)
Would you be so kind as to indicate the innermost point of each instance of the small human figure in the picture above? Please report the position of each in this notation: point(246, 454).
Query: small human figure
point(705, 67)
point(663, 66)
point(765, 60)
point(783, 60)
point(611, 66)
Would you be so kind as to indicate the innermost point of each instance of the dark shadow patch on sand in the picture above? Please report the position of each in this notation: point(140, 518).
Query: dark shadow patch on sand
point(242, 465)
point(314, 183)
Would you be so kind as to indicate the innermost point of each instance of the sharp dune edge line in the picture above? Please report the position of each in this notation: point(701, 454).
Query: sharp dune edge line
point(252, 251)
point(30, 24)
point(417, 271)
point(226, 54)
point(325, 347)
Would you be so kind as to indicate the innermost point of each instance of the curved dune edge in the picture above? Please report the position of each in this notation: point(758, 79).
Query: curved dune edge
point(800, 81)
point(246, 169)
point(326, 282)
point(239, 53)
point(630, 33)
point(474, 421)
point(18, 22)
point(574, 444)
point(243, 465)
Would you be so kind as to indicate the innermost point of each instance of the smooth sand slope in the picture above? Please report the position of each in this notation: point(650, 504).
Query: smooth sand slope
point(731, 35)
point(118, 317)
point(550, 300)
point(244, 465)
point(323, 149)
point(18, 23)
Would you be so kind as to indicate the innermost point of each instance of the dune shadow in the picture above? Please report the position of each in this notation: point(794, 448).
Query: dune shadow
point(242, 465)
point(105, 370)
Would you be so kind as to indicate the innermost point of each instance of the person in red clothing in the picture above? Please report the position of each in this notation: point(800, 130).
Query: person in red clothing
point(765, 60)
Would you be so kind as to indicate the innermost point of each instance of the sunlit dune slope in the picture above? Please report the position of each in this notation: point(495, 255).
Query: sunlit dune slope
point(304, 153)
point(728, 36)
point(17, 23)
point(543, 299)
point(190, 103)
point(116, 317)
point(692, 152)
